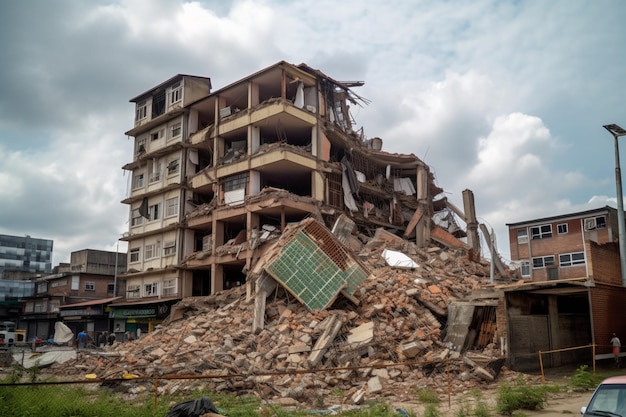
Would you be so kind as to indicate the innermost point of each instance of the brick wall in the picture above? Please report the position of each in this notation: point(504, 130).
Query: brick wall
point(603, 262)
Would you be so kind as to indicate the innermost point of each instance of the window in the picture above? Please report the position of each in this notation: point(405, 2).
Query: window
point(132, 291)
point(541, 232)
point(142, 110)
point(154, 212)
point(150, 289)
point(522, 236)
point(525, 268)
point(137, 181)
point(141, 146)
point(136, 219)
point(156, 135)
point(151, 251)
point(172, 167)
point(175, 130)
point(593, 223)
point(155, 175)
point(171, 207)
point(543, 261)
point(236, 182)
point(169, 248)
point(177, 93)
point(561, 228)
point(134, 255)
point(571, 259)
point(90, 286)
point(169, 286)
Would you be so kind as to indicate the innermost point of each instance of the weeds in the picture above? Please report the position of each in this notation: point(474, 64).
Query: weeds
point(522, 397)
point(428, 396)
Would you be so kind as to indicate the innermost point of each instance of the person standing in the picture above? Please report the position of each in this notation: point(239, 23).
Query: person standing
point(615, 342)
point(82, 338)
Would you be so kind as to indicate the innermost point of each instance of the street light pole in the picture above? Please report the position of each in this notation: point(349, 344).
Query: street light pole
point(617, 131)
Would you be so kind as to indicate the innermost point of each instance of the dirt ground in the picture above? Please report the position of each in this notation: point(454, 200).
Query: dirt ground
point(565, 402)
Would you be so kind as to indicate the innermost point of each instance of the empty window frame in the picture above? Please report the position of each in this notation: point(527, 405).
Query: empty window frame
point(157, 135)
point(522, 236)
point(572, 259)
point(543, 261)
point(138, 181)
point(90, 286)
point(169, 286)
point(173, 166)
point(154, 212)
point(176, 93)
point(169, 248)
point(562, 228)
point(175, 130)
point(141, 110)
point(134, 255)
point(171, 207)
point(541, 232)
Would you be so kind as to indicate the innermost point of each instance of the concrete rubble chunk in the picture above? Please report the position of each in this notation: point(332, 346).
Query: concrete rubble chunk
point(374, 386)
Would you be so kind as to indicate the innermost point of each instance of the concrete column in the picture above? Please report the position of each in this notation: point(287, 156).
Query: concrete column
point(473, 239)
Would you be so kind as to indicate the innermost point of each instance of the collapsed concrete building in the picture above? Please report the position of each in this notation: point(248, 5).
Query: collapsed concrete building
point(217, 175)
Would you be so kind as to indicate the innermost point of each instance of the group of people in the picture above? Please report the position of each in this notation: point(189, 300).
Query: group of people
point(83, 339)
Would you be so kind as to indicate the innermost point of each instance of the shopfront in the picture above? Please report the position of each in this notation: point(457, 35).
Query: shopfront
point(131, 321)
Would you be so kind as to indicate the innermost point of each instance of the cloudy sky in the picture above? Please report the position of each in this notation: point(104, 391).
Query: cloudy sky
point(506, 98)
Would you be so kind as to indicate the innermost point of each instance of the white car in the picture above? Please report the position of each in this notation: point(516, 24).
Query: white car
point(608, 400)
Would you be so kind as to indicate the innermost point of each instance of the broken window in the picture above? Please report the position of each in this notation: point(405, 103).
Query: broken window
point(541, 232)
point(150, 289)
point(525, 268)
point(561, 228)
point(176, 93)
point(141, 146)
point(593, 223)
point(133, 291)
point(90, 286)
point(236, 182)
point(157, 135)
point(157, 168)
point(154, 212)
point(136, 219)
point(158, 104)
point(142, 110)
point(137, 181)
point(522, 236)
point(172, 167)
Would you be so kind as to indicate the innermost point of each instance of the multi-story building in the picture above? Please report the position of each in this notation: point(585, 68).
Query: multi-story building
point(217, 174)
point(78, 296)
point(26, 254)
point(554, 247)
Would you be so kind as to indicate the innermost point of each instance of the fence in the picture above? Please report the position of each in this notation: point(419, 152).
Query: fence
point(593, 360)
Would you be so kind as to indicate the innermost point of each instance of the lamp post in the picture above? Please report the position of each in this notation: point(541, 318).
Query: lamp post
point(617, 131)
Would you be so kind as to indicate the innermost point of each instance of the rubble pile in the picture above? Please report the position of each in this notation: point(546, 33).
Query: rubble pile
point(385, 345)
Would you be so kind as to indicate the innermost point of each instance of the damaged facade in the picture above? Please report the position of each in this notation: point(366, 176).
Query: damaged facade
point(216, 175)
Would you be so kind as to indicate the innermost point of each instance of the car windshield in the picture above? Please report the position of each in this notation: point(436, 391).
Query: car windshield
point(609, 400)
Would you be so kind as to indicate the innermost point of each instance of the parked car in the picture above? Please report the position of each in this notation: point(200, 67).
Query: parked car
point(608, 400)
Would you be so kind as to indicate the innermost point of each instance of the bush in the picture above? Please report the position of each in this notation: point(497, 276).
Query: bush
point(522, 397)
point(428, 396)
point(583, 380)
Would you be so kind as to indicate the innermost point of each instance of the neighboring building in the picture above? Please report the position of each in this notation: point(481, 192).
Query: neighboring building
point(79, 297)
point(573, 296)
point(554, 247)
point(215, 175)
point(25, 253)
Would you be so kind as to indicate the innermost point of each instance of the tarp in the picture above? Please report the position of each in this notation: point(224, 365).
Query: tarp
point(193, 408)
point(62, 333)
point(398, 259)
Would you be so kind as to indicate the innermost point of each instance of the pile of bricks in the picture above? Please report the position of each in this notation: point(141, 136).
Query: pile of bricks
point(386, 345)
